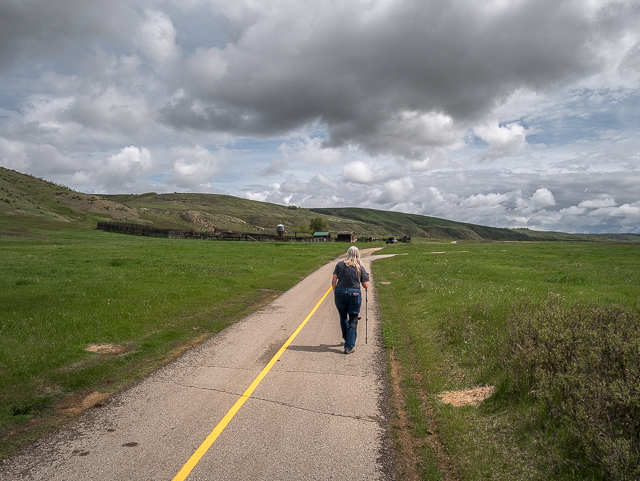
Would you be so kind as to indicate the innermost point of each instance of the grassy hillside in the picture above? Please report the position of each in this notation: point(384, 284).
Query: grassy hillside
point(209, 211)
point(420, 226)
point(28, 204)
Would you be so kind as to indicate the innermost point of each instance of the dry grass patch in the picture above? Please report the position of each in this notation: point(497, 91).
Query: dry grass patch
point(115, 349)
point(468, 397)
point(76, 403)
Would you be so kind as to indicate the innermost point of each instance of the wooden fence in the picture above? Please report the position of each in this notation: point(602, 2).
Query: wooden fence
point(150, 231)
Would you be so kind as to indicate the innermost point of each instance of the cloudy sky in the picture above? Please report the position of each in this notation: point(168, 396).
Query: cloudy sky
point(508, 113)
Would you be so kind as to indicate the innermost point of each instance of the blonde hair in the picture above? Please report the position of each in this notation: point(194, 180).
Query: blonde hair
point(353, 259)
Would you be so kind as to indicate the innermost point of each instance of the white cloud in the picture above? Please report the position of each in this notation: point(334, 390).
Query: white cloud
point(543, 197)
point(627, 210)
point(438, 158)
point(325, 181)
point(257, 196)
point(358, 172)
point(40, 158)
point(396, 191)
point(14, 156)
point(486, 200)
point(129, 158)
point(125, 167)
point(303, 152)
point(294, 187)
point(363, 173)
point(157, 40)
point(436, 195)
point(597, 203)
point(509, 139)
point(573, 211)
point(194, 167)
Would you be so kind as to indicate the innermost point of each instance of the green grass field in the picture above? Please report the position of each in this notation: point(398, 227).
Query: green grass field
point(533, 319)
point(66, 290)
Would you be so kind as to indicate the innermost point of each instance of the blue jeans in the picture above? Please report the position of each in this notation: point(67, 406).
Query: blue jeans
point(348, 301)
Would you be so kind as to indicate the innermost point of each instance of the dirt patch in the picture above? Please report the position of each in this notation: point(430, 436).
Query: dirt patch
point(267, 295)
point(97, 205)
point(231, 219)
point(469, 397)
point(107, 349)
point(77, 403)
point(199, 219)
point(408, 455)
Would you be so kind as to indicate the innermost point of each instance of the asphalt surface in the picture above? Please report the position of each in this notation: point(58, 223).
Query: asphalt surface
point(317, 414)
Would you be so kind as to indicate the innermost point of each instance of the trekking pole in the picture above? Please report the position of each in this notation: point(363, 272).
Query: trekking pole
point(366, 315)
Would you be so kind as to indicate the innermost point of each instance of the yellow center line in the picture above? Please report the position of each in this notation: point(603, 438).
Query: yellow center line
point(208, 442)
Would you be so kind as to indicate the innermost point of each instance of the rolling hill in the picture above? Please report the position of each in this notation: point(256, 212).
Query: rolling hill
point(29, 205)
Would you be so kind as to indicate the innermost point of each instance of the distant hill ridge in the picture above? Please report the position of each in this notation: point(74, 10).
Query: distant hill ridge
point(29, 204)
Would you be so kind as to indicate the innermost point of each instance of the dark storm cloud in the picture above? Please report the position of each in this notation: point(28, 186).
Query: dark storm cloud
point(363, 75)
point(39, 29)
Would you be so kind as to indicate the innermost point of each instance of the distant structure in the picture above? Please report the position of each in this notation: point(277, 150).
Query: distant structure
point(321, 236)
point(280, 230)
point(346, 236)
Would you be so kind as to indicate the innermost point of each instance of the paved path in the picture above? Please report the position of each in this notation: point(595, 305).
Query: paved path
point(317, 414)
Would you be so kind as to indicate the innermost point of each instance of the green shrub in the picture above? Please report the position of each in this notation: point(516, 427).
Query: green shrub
point(582, 362)
point(317, 224)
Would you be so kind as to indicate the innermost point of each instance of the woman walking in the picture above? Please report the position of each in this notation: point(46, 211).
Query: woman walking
point(348, 275)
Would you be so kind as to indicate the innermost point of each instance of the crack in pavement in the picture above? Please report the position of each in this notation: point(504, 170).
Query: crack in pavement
point(371, 419)
point(258, 370)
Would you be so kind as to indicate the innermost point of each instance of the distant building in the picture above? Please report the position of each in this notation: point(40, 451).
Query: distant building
point(321, 236)
point(346, 236)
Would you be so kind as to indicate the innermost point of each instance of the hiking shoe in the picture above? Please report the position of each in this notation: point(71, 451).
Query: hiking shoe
point(349, 351)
